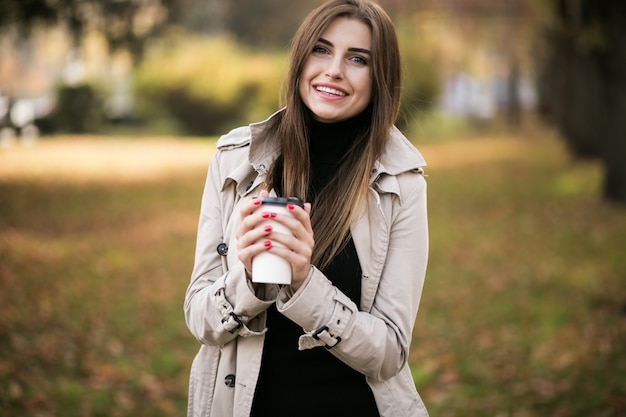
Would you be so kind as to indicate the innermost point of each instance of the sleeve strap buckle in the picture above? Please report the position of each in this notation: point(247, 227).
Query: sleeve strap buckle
point(323, 334)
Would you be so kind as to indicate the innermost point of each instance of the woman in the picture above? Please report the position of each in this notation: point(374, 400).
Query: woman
point(336, 341)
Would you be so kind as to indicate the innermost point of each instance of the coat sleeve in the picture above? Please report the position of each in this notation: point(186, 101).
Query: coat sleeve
point(220, 304)
point(376, 342)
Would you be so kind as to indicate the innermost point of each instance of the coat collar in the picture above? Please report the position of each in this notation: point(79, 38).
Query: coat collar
point(399, 156)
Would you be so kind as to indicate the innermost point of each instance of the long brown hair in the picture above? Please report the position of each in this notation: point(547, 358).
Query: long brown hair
point(339, 201)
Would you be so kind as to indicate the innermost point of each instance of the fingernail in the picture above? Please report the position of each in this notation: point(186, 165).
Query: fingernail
point(273, 215)
point(257, 202)
point(265, 215)
point(268, 229)
point(290, 206)
point(267, 243)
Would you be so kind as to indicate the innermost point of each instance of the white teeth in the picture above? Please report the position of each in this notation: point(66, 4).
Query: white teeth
point(330, 91)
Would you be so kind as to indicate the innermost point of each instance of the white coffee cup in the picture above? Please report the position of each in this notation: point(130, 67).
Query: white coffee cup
point(268, 268)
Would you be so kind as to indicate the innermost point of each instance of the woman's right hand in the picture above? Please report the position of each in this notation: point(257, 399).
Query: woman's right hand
point(250, 235)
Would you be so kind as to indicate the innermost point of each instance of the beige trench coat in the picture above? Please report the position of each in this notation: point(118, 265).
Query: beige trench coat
point(228, 318)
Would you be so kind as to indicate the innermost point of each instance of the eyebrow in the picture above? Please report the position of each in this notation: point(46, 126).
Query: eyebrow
point(361, 50)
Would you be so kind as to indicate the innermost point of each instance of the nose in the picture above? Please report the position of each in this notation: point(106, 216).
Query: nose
point(335, 69)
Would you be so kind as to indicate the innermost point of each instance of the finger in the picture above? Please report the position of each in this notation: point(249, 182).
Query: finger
point(247, 253)
point(246, 211)
point(296, 239)
point(253, 235)
point(251, 205)
point(297, 221)
point(253, 241)
point(300, 261)
point(300, 214)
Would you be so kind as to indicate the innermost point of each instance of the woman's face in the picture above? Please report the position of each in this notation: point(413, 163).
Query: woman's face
point(336, 81)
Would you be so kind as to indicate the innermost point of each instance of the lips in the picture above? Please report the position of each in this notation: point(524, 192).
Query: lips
point(330, 90)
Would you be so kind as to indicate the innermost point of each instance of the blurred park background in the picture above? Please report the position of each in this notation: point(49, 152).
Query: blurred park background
point(109, 113)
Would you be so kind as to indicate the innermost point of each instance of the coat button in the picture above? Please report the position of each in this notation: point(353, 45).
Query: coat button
point(222, 249)
point(230, 380)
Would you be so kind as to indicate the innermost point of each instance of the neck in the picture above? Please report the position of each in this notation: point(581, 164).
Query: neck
point(330, 142)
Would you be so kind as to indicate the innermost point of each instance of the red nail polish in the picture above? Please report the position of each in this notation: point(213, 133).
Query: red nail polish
point(290, 206)
point(273, 215)
point(268, 229)
point(265, 215)
point(257, 202)
point(267, 243)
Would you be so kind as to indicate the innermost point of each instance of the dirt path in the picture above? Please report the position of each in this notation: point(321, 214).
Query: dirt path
point(99, 159)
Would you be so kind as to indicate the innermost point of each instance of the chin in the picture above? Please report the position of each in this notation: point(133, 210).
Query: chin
point(329, 117)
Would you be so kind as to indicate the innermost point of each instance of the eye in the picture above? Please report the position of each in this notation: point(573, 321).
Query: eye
point(318, 49)
point(359, 60)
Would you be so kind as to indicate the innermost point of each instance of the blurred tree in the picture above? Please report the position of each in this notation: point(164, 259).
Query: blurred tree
point(266, 22)
point(582, 82)
point(202, 16)
point(79, 109)
point(124, 23)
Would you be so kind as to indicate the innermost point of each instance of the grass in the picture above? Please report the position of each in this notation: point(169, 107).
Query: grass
point(523, 311)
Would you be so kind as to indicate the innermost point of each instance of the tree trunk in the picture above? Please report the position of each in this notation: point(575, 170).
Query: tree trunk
point(583, 82)
point(615, 146)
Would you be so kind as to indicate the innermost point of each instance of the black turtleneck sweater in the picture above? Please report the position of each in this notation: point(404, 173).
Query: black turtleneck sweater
point(313, 382)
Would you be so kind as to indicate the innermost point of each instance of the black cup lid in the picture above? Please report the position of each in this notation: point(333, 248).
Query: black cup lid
point(282, 201)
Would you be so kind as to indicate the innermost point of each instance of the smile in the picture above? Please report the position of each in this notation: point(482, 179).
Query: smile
point(330, 90)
